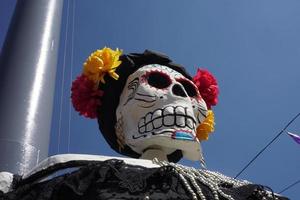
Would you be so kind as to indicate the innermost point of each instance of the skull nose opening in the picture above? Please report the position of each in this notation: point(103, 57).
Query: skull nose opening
point(178, 90)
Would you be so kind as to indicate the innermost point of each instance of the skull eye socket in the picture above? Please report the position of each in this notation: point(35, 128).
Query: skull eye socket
point(189, 87)
point(158, 80)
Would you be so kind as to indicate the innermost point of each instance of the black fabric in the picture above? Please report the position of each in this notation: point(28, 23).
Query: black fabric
point(113, 179)
point(112, 91)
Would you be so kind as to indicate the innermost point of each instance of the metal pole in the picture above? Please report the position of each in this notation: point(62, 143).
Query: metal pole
point(27, 80)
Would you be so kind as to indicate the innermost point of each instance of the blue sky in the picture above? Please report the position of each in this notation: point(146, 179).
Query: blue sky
point(252, 47)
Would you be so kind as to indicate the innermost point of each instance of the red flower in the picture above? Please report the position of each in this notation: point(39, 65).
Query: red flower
point(85, 97)
point(207, 86)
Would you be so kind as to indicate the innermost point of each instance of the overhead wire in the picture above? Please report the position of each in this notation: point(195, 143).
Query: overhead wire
point(289, 187)
point(263, 149)
point(71, 71)
point(63, 80)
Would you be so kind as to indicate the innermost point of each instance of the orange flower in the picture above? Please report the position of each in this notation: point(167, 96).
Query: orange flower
point(206, 127)
point(101, 62)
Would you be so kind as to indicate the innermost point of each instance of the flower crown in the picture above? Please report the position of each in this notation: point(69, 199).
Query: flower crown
point(86, 95)
point(209, 90)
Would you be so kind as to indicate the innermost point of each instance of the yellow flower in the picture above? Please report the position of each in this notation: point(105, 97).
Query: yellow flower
point(206, 127)
point(100, 63)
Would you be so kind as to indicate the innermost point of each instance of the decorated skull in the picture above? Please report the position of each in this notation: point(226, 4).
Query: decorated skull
point(146, 103)
point(160, 108)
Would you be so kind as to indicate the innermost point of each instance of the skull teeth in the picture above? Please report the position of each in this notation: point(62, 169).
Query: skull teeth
point(168, 117)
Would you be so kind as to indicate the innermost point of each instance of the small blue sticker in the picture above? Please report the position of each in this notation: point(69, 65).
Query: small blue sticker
point(180, 135)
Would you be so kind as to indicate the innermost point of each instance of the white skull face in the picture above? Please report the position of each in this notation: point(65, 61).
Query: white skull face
point(161, 109)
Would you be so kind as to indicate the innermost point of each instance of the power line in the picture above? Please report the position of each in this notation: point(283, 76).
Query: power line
point(290, 186)
point(71, 71)
point(261, 151)
point(63, 81)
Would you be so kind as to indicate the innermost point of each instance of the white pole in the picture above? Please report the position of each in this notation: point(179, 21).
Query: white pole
point(27, 81)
